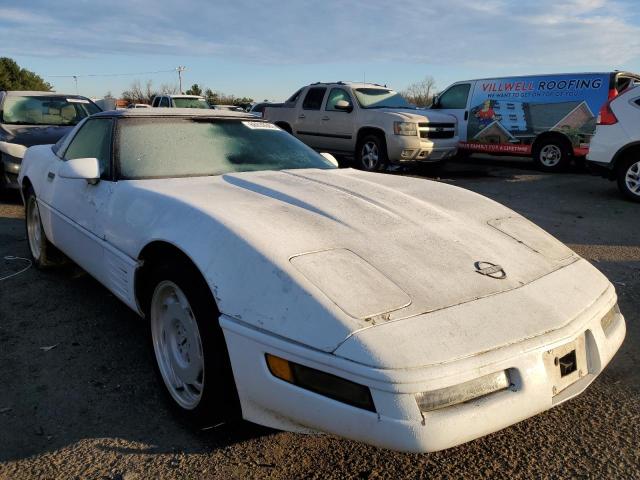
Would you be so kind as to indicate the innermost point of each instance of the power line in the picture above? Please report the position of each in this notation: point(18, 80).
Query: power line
point(112, 74)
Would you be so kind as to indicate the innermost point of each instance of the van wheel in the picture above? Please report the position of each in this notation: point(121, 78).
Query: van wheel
point(191, 357)
point(629, 179)
point(552, 155)
point(372, 153)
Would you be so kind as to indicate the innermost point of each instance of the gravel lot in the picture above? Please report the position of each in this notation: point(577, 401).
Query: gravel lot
point(91, 408)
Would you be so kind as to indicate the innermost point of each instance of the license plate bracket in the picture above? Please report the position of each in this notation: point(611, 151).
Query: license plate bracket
point(566, 364)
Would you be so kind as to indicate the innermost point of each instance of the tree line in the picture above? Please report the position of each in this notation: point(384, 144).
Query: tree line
point(13, 77)
point(138, 93)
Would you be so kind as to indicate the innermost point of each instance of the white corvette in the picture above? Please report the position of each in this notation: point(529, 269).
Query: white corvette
point(401, 312)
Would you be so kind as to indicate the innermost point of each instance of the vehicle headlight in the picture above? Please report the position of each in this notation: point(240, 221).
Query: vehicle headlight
point(321, 383)
point(13, 149)
point(463, 392)
point(609, 319)
point(405, 128)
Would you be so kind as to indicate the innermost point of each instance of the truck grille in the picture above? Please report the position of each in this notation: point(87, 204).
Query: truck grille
point(437, 130)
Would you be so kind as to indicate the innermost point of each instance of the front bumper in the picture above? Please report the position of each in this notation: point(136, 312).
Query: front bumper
point(398, 423)
point(403, 149)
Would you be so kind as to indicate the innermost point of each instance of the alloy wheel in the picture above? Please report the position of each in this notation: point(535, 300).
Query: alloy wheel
point(550, 155)
point(34, 229)
point(177, 344)
point(370, 155)
point(632, 178)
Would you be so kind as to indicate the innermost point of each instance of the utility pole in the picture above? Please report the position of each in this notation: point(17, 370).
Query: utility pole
point(180, 69)
point(75, 78)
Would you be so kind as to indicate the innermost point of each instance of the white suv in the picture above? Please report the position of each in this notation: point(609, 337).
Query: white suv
point(179, 101)
point(614, 151)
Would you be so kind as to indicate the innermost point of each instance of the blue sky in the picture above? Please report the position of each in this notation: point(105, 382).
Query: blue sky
point(267, 49)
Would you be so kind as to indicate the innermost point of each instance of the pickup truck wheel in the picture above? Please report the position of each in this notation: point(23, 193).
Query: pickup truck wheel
point(43, 253)
point(552, 155)
point(629, 179)
point(191, 357)
point(372, 154)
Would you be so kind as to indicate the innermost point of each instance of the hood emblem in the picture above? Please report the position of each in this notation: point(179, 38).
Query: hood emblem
point(490, 270)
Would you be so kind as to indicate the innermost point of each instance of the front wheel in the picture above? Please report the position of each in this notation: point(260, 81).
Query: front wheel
point(552, 155)
point(189, 347)
point(372, 154)
point(629, 179)
point(43, 253)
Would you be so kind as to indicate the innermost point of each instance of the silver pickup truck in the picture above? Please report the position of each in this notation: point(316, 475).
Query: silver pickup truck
point(371, 123)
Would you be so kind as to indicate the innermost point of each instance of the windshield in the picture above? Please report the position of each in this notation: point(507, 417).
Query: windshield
point(186, 147)
point(380, 98)
point(190, 102)
point(46, 110)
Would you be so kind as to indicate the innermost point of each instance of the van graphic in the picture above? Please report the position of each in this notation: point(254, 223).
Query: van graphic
point(550, 117)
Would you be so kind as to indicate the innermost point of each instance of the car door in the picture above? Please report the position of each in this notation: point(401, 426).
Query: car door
point(455, 101)
point(77, 207)
point(337, 125)
point(307, 125)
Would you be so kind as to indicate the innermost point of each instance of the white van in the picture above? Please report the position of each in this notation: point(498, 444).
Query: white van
point(548, 117)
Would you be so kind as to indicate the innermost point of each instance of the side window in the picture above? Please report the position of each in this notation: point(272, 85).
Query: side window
point(93, 141)
point(455, 97)
point(156, 101)
point(313, 99)
point(335, 95)
point(164, 102)
point(294, 98)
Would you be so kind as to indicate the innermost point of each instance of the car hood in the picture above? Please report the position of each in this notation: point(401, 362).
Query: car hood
point(29, 135)
point(370, 248)
point(418, 116)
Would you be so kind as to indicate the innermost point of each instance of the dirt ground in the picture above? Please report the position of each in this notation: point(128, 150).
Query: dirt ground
point(88, 406)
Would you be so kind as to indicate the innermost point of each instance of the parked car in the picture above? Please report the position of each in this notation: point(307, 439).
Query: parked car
point(179, 101)
point(615, 148)
point(548, 117)
point(229, 108)
point(372, 123)
point(138, 105)
point(258, 108)
point(402, 312)
point(34, 118)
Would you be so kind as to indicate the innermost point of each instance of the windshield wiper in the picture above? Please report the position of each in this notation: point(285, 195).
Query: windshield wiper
point(390, 106)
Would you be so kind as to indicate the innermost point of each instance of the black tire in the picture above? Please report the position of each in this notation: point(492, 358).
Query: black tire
point(628, 176)
point(43, 253)
point(219, 401)
point(371, 153)
point(552, 155)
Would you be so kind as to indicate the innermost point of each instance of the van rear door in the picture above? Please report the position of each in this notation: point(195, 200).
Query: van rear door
point(455, 101)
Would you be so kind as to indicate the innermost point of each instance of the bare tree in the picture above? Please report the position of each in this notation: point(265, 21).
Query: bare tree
point(420, 93)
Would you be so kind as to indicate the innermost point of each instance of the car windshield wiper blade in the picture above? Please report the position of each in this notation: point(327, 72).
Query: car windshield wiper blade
point(390, 106)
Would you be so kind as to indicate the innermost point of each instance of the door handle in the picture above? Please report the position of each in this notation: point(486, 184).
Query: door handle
point(466, 114)
point(51, 175)
point(301, 115)
point(325, 118)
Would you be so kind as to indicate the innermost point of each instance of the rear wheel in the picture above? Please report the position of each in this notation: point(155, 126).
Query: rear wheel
point(189, 347)
point(629, 179)
point(552, 155)
point(372, 153)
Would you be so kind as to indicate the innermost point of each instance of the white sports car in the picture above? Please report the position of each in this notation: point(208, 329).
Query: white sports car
point(396, 311)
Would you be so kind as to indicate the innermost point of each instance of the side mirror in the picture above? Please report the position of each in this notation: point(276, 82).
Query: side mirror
point(435, 101)
point(331, 158)
point(81, 168)
point(343, 106)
